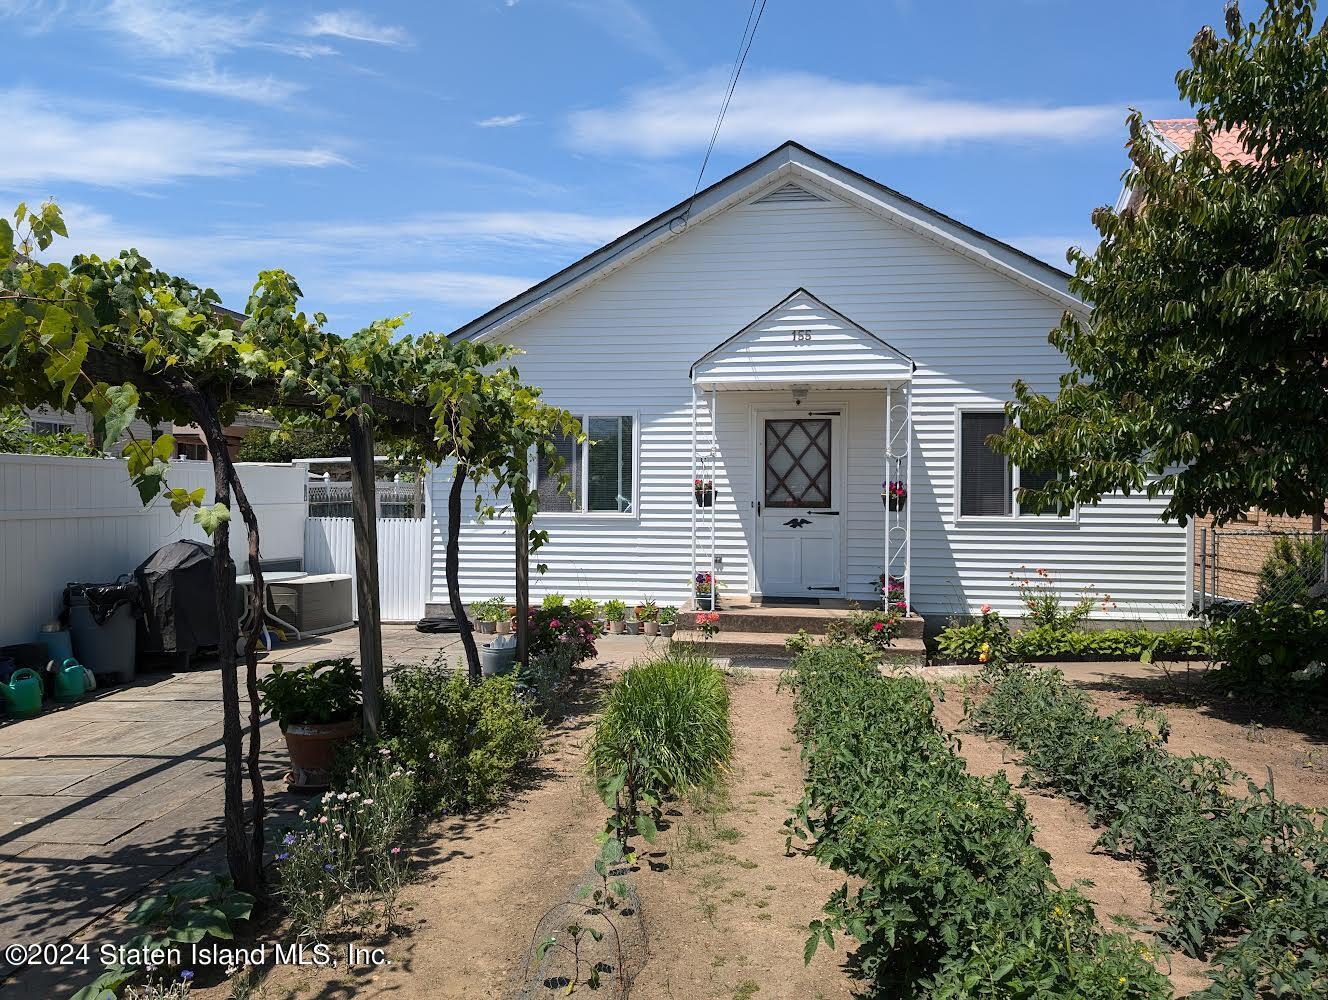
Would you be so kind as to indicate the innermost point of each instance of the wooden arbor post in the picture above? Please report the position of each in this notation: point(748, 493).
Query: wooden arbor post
point(364, 498)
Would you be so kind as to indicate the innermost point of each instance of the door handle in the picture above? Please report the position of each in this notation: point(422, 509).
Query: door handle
point(824, 513)
point(758, 508)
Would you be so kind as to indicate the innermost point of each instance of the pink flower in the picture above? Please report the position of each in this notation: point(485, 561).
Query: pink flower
point(878, 626)
point(555, 624)
point(985, 609)
point(396, 850)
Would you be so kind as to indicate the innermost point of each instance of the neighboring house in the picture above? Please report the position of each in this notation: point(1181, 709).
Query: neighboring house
point(1237, 564)
point(799, 334)
point(189, 443)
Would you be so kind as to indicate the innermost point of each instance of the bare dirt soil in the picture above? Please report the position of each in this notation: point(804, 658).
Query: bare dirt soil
point(725, 915)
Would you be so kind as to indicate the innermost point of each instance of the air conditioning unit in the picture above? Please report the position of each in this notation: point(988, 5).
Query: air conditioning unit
point(320, 602)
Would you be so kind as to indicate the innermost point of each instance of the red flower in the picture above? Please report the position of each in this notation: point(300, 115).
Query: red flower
point(878, 626)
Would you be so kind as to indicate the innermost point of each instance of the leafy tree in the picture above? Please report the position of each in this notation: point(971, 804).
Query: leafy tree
point(284, 445)
point(18, 438)
point(1202, 369)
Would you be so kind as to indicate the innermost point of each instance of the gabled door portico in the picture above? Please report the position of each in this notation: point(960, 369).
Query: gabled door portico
point(797, 449)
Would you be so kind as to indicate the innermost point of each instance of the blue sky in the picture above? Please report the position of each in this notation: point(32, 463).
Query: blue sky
point(435, 158)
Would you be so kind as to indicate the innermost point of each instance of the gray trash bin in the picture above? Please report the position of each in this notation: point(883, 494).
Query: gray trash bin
point(101, 622)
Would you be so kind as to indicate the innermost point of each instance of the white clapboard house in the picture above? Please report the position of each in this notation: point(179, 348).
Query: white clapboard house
point(799, 335)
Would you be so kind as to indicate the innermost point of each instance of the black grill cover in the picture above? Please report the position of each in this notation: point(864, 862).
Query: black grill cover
point(179, 599)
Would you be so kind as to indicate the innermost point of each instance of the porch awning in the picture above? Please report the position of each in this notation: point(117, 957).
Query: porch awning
point(802, 341)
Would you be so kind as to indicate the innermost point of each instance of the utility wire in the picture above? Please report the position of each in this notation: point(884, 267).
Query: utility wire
point(754, 15)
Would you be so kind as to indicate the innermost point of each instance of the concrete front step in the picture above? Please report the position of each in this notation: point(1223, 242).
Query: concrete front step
point(763, 648)
point(788, 621)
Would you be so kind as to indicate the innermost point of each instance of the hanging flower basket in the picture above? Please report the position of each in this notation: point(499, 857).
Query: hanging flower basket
point(704, 491)
point(894, 495)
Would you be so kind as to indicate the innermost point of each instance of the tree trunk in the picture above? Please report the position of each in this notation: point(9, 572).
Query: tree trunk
point(454, 572)
point(249, 643)
point(364, 497)
point(240, 857)
point(522, 591)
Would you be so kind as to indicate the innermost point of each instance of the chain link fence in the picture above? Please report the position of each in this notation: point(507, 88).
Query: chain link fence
point(1237, 566)
point(402, 501)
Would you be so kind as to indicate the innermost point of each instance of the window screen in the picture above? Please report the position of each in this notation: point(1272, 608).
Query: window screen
point(1030, 480)
point(984, 475)
point(550, 498)
point(610, 464)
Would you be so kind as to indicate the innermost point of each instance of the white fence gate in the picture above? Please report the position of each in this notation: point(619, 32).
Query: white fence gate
point(403, 560)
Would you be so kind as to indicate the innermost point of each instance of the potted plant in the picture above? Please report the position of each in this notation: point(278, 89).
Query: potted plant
point(631, 623)
point(647, 613)
point(486, 614)
point(893, 494)
point(668, 620)
point(318, 709)
point(704, 491)
point(706, 589)
point(505, 619)
point(615, 612)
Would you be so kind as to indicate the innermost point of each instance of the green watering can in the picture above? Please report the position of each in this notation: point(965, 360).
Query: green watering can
point(23, 693)
point(71, 681)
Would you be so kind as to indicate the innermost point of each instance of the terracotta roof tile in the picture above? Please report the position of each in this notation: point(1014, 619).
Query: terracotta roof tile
point(1180, 133)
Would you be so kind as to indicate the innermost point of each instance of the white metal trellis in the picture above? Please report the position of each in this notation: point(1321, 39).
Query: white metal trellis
point(897, 543)
point(705, 471)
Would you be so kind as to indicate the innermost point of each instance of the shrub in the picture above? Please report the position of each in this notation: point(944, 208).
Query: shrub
point(18, 438)
point(557, 631)
point(1041, 599)
point(350, 848)
point(318, 693)
point(1292, 567)
point(462, 740)
point(950, 896)
point(665, 727)
point(968, 641)
point(492, 610)
point(1274, 646)
point(872, 628)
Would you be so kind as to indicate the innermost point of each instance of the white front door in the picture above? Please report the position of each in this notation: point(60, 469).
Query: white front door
point(799, 524)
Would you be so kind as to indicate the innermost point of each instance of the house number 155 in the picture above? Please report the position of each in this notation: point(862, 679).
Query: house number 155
point(802, 336)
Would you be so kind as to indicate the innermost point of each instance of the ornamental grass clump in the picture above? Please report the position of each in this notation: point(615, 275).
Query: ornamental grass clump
point(1250, 867)
point(951, 896)
point(664, 732)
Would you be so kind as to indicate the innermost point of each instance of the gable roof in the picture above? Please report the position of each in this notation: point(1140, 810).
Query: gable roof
point(787, 163)
point(837, 352)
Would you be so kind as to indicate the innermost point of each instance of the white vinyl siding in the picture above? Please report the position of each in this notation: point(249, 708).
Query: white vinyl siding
point(625, 343)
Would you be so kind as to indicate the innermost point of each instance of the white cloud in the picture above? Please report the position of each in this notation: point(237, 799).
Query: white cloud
point(49, 145)
point(458, 288)
point(171, 28)
point(356, 27)
point(501, 121)
point(823, 111)
point(219, 83)
point(627, 23)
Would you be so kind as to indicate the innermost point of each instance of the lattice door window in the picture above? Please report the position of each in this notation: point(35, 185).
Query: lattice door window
point(797, 463)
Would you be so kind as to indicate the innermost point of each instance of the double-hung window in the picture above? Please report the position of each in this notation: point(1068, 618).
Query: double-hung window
point(988, 482)
point(601, 469)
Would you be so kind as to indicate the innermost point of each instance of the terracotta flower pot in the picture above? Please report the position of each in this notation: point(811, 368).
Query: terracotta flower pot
point(312, 750)
point(503, 626)
point(650, 628)
point(617, 627)
point(486, 628)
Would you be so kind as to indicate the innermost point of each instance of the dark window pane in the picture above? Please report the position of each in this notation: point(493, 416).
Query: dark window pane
point(610, 464)
point(1030, 480)
point(550, 499)
point(984, 476)
point(797, 463)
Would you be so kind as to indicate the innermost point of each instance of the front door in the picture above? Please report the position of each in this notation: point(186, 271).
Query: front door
point(799, 527)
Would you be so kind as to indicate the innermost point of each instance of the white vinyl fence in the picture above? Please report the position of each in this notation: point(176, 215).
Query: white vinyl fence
point(66, 520)
point(403, 560)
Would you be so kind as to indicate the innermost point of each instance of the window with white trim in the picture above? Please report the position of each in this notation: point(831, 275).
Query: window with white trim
point(601, 469)
point(988, 483)
point(50, 424)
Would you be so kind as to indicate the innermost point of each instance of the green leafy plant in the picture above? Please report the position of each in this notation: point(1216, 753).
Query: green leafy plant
point(554, 602)
point(668, 615)
point(1043, 605)
point(583, 607)
point(875, 629)
point(948, 894)
point(1274, 648)
point(615, 611)
point(1293, 566)
point(647, 611)
point(463, 741)
point(318, 693)
point(18, 438)
point(1248, 867)
point(494, 609)
point(186, 913)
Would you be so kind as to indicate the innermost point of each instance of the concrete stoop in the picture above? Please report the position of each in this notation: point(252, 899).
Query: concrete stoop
point(753, 635)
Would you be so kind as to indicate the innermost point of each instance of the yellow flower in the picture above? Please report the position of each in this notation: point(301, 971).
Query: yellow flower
point(1122, 980)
